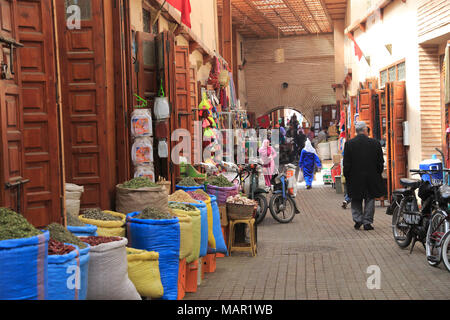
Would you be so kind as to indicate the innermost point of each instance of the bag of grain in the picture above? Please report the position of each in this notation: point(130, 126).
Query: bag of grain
point(106, 226)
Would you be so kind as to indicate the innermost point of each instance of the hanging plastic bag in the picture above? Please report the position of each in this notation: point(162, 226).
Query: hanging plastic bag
point(141, 123)
point(161, 106)
point(145, 171)
point(163, 151)
point(142, 151)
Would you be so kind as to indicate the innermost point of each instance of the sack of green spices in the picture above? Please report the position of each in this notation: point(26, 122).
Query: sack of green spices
point(221, 188)
point(138, 194)
point(186, 239)
point(106, 226)
point(188, 184)
point(143, 271)
point(195, 215)
point(23, 258)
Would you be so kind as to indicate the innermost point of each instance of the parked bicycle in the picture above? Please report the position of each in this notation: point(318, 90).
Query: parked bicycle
point(282, 205)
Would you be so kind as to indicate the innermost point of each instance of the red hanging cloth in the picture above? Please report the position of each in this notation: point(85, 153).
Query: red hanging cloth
point(185, 8)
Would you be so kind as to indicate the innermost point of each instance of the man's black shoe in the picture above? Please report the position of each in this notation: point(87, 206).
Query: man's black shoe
point(357, 225)
point(368, 227)
point(344, 204)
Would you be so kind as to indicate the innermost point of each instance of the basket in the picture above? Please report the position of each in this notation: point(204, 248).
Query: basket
point(222, 193)
point(239, 211)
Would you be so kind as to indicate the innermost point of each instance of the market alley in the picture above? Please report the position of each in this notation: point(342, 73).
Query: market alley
point(320, 256)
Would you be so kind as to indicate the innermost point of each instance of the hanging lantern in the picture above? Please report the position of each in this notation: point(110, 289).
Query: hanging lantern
point(279, 55)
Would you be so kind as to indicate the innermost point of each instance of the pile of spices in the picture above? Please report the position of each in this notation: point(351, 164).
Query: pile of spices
point(15, 226)
point(72, 220)
point(97, 214)
point(182, 206)
point(139, 182)
point(219, 181)
point(154, 214)
point(96, 240)
point(56, 247)
point(59, 233)
point(181, 196)
point(198, 196)
point(188, 182)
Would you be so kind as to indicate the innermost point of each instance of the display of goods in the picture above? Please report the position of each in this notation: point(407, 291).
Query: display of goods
point(145, 171)
point(107, 226)
point(238, 199)
point(23, 262)
point(73, 194)
point(141, 123)
point(220, 245)
point(56, 247)
point(98, 214)
point(219, 181)
point(15, 226)
point(222, 193)
point(66, 278)
point(108, 270)
point(143, 271)
point(181, 196)
point(197, 196)
point(161, 108)
point(137, 199)
point(162, 236)
point(163, 151)
point(73, 220)
point(142, 151)
point(59, 233)
point(153, 213)
point(85, 230)
point(188, 182)
point(196, 228)
point(203, 228)
point(182, 206)
point(209, 211)
point(139, 182)
point(185, 221)
point(96, 240)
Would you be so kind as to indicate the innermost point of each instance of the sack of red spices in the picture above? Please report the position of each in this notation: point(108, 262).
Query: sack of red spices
point(108, 270)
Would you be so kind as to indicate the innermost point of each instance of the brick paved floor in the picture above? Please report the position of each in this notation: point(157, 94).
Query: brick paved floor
point(320, 256)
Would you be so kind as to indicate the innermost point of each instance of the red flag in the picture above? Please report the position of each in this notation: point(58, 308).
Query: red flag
point(358, 51)
point(185, 8)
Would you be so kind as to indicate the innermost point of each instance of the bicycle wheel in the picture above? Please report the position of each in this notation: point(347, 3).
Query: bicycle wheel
point(400, 229)
point(282, 210)
point(435, 232)
point(445, 247)
point(262, 207)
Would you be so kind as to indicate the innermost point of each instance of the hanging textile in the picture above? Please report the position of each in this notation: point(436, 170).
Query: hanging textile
point(447, 74)
point(184, 6)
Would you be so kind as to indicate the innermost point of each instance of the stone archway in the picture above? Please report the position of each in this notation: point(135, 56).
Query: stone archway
point(299, 110)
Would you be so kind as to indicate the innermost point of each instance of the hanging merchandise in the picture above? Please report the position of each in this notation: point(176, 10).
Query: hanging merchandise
point(163, 150)
point(141, 120)
point(145, 171)
point(142, 151)
point(161, 107)
point(224, 78)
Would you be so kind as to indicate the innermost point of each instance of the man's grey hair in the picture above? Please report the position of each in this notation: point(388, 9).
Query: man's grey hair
point(360, 126)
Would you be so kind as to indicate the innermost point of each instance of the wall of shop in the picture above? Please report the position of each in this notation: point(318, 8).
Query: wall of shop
point(398, 17)
point(308, 69)
point(241, 54)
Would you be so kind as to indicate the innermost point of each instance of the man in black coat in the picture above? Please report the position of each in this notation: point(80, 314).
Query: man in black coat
point(363, 166)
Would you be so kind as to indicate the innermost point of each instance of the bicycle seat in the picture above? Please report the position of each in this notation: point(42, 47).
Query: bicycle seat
point(411, 183)
point(400, 191)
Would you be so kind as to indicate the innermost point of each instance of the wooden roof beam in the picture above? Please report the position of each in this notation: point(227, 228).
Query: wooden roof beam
point(250, 3)
point(309, 12)
point(325, 9)
point(250, 19)
point(296, 16)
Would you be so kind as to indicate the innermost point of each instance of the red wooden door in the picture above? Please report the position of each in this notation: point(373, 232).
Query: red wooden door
point(366, 109)
point(397, 116)
point(82, 61)
point(29, 117)
point(146, 58)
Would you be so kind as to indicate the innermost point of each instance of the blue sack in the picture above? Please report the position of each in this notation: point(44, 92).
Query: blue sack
point(190, 188)
point(65, 275)
point(84, 231)
point(23, 268)
point(204, 227)
point(162, 236)
point(84, 268)
point(221, 247)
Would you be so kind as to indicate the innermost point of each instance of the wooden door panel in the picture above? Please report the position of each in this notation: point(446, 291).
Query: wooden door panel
point(398, 115)
point(366, 110)
point(84, 103)
point(146, 57)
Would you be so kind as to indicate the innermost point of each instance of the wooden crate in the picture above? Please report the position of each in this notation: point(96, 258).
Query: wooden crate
point(181, 279)
point(192, 276)
point(209, 262)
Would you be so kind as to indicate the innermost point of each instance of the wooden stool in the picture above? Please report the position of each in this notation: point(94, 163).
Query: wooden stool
point(252, 248)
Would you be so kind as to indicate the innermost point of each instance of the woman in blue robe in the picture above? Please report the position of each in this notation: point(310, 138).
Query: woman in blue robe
point(308, 160)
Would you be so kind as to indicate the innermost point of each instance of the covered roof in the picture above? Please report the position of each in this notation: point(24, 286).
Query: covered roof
point(270, 18)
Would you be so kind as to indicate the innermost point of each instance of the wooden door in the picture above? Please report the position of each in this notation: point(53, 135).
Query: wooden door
point(194, 106)
point(82, 61)
point(146, 59)
point(366, 109)
point(183, 114)
point(397, 116)
point(29, 117)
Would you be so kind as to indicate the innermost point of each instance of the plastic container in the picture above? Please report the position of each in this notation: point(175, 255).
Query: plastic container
point(432, 164)
point(145, 171)
point(141, 123)
point(323, 151)
point(161, 108)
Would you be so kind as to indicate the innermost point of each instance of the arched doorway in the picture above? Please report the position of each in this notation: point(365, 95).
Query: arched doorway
point(284, 113)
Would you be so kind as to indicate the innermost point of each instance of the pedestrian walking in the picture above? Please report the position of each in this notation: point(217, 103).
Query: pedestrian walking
point(267, 154)
point(363, 165)
point(308, 161)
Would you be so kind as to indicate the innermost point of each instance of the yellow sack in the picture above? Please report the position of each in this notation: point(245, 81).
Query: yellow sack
point(211, 239)
point(185, 233)
point(143, 271)
point(108, 228)
point(196, 232)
